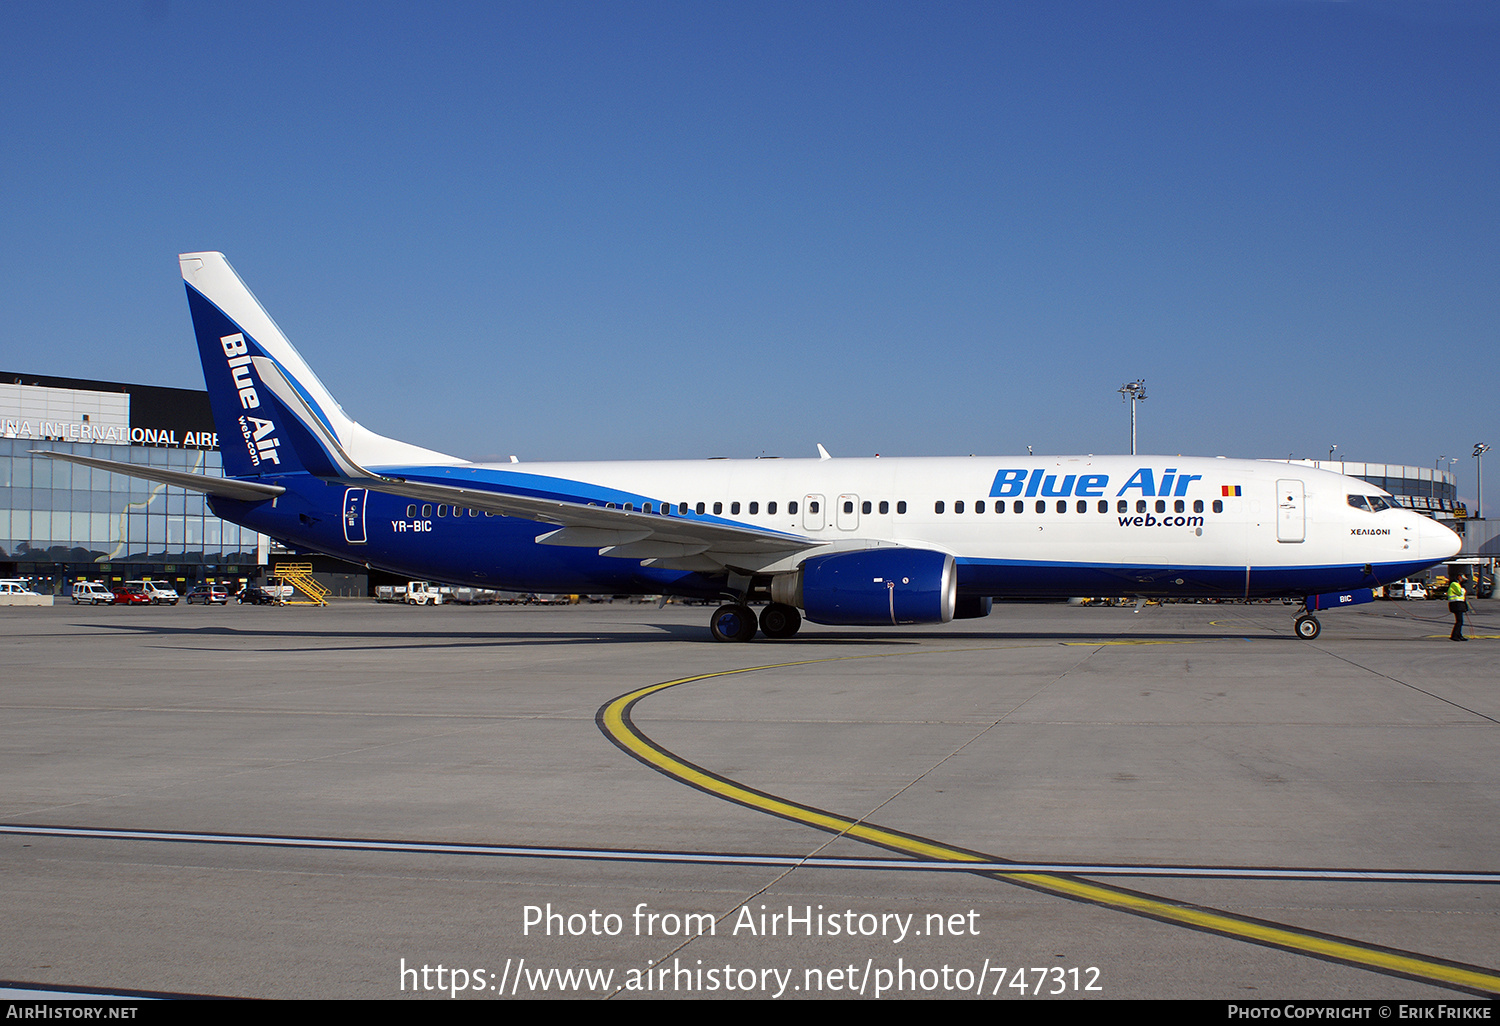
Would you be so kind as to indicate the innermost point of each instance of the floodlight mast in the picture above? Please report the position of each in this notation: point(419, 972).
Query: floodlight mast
point(1480, 449)
point(1133, 392)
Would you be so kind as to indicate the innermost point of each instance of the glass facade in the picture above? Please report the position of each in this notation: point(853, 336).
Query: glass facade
point(60, 513)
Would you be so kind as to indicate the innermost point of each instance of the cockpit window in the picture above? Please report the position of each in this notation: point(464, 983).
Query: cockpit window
point(1358, 502)
point(1380, 502)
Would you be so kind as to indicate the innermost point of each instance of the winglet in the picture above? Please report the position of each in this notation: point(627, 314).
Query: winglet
point(823, 453)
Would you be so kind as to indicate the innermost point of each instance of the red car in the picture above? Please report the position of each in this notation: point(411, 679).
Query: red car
point(131, 595)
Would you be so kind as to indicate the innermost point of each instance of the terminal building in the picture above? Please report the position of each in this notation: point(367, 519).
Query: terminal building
point(61, 523)
point(1430, 491)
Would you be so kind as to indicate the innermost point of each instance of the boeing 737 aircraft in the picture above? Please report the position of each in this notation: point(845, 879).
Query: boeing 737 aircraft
point(839, 541)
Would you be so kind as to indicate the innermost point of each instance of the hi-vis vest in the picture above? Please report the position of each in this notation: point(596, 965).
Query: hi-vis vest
point(1455, 591)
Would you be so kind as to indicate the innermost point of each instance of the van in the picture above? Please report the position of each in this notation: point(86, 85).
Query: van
point(158, 593)
point(91, 592)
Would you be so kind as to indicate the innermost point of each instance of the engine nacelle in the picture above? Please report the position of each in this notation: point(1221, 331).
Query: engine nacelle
point(873, 587)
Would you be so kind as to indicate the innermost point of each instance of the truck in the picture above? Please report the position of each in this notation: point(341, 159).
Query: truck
point(422, 593)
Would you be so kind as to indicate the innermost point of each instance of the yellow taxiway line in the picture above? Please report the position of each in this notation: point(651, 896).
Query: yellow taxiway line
point(614, 720)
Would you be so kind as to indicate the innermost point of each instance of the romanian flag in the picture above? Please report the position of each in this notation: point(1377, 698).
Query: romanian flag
point(1230, 489)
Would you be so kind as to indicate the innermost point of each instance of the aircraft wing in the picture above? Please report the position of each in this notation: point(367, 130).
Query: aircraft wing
point(615, 532)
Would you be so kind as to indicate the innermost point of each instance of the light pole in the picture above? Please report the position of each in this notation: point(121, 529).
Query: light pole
point(1479, 450)
point(1132, 393)
point(1435, 472)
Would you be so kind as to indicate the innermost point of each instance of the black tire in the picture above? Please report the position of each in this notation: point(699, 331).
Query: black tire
point(779, 620)
point(732, 622)
point(1308, 627)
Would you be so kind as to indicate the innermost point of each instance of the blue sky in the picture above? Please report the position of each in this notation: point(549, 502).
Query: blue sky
point(614, 230)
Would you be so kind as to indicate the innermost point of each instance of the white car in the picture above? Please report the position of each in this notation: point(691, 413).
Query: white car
point(15, 592)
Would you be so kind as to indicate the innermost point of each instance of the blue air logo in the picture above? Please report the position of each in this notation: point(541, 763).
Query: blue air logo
point(259, 435)
point(1014, 483)
point(238, 355)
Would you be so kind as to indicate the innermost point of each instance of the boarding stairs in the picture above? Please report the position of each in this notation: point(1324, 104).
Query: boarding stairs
point(299, 576)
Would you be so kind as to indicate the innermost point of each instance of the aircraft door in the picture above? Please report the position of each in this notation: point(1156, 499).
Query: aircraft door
point(813, 517)
point(354, 515)
point(1291, 525)
point(847, 513)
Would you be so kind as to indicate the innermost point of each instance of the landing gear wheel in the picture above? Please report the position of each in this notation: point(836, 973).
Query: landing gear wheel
point(732, 623)
point(1308, 627)
point(779, 620)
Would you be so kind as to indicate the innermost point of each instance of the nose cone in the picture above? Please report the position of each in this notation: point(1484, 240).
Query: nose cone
point(1435, 542)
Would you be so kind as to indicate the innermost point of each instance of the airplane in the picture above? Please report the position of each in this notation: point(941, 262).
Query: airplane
point(842, 542)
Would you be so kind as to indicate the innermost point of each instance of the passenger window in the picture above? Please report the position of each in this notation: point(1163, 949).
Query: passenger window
point(885, 507)
point(699, 509)
point(937, 507)
point(1140, 505)
point(1181, 506)
point(754, 507)
point(443, 509)
point(791, 507)
point(1103, 505)
point(979, 506)
point(1122, 506)
point(411, 510)
point(1041, 506)
point(848, 505)
point(958, 507)
point(1062, 505)
point(630, 507)
point(1161, 505)
point(1218, 505)
point(1083, 506)
point(734, 509)
point(812, 507)
point(865, 507)
point(718, 508)
point(771, 508)
point(901, 506)
point(1019, 507)
point(1197, 505)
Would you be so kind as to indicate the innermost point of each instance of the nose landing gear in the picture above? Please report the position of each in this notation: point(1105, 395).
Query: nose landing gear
point(1307, 627)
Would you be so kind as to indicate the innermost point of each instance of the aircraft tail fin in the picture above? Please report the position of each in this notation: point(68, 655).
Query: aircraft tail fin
point(272, 413)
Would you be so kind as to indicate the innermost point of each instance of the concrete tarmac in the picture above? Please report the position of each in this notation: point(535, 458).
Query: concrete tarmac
point(1183, 738)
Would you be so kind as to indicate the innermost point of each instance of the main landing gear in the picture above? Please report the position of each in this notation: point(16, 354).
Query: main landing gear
point(737, 622)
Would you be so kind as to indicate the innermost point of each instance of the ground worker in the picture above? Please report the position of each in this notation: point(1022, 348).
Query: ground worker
point(1457, 605)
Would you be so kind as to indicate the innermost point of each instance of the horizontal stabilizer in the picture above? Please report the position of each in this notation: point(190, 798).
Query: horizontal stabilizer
point(224, 487)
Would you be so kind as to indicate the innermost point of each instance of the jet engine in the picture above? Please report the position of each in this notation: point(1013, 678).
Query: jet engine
point(872, 587)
